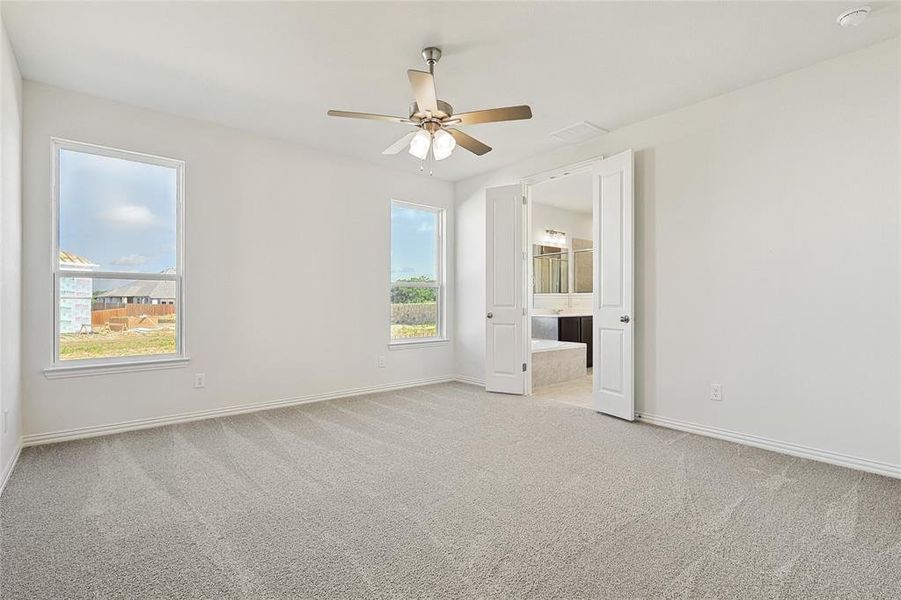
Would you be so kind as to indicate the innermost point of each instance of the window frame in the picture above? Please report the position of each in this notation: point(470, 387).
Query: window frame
point(439, 285)
point(82, 366)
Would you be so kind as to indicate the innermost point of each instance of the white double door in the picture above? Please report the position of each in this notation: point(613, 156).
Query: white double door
point(613, 300)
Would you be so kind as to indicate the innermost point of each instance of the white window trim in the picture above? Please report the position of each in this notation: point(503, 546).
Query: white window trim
point(82, 367)
point(440, 284)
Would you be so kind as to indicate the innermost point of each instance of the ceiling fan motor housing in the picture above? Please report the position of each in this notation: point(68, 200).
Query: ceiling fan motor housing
point(444, 110)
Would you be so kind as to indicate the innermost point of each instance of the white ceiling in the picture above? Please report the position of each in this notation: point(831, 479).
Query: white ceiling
point(572, 192)
point(275, 68)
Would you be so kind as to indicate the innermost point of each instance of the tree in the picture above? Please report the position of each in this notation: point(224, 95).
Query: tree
point(412, 295)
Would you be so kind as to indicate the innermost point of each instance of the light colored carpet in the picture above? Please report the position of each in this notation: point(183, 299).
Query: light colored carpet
point(441, 491)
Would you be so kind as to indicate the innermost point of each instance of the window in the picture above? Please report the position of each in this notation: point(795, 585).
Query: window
point(417, 273)
point(117, 256)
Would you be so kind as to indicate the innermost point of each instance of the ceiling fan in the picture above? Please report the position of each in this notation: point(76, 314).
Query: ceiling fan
point(434, 118)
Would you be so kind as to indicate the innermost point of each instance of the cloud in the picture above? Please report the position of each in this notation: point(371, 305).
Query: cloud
point(130, 260)
point(130, 215)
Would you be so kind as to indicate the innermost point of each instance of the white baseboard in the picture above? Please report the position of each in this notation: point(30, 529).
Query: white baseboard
point(9, 466)
point(52, 437)
point(834, 458)
point(469, 380)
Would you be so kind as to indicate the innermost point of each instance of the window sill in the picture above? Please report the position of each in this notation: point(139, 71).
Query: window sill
point(87, 370)
point(417, 344)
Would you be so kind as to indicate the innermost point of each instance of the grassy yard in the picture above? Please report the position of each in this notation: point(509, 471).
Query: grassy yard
point(117, 343)
point(413, 331)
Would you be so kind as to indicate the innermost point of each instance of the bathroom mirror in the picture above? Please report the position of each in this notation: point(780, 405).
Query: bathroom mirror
point(550, 269)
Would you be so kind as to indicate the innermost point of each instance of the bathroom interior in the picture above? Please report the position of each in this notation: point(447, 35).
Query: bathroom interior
point(562, 287)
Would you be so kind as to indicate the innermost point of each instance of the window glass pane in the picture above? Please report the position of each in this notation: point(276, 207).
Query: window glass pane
point(106, 318)
point(414, 244)
point(115, 214)
point(414, 312)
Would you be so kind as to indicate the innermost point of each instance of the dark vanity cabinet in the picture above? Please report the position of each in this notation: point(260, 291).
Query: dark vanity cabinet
point(576, 329)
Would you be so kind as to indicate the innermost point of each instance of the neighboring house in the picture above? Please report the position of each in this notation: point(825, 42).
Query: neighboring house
point(141, 292)
point(69, 262)
point(75, 293)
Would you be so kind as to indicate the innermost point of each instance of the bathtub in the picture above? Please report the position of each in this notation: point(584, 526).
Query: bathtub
point(547, 345)
point(557, 362)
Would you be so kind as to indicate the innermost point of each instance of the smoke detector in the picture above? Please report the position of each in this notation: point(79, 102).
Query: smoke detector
point(853, 17)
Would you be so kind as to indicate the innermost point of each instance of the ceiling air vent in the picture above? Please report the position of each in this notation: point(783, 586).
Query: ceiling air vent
point(580, 132)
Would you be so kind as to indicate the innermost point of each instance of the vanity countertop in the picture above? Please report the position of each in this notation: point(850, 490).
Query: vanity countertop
point(557, 316)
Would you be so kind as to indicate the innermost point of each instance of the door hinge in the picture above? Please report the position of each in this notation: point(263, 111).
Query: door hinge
point(523, 312)
point(523, 367)
point(524, 201)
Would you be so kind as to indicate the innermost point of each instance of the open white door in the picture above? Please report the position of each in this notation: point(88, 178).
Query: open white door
point(504, 296)
point(613, 359)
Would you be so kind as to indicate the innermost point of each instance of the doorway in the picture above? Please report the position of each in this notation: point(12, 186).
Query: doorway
point(516, 267)
point(561, 249)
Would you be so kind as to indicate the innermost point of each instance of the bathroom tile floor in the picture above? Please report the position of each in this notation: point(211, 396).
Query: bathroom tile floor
point(576, 392)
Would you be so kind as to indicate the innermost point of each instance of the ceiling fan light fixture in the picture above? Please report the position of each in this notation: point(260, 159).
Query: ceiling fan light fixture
point(419, 145)
point(443, 145)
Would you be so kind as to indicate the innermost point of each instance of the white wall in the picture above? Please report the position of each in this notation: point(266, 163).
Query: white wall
point(266, 319)
point(10, 252)
point(767, 257)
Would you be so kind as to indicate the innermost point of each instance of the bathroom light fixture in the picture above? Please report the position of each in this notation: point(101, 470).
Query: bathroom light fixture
point(443, 145)
point(419, 145)
point(555, 238)
point(853, 17)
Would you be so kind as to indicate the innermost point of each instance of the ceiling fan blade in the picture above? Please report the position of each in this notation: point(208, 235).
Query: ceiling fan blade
point(424, 90)
point(359, 115)
point(470, 143)
point(400, 144)
point(492, 115)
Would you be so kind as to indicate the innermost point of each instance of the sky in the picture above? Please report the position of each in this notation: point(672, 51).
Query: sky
point(413, 242)
point(118, 214)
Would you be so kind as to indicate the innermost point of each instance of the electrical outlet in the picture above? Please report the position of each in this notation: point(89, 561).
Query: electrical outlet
point(5, 420)
point(716, 392)
point(199, 380)
point(382, 364)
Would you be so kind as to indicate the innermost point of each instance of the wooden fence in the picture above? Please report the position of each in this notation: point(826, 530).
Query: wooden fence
point(102, 317)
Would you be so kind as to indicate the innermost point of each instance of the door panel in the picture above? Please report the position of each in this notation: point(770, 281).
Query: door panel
point(611, 365)
point(614, 280)
point(504, 292)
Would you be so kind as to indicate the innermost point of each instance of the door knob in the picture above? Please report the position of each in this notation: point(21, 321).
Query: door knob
point(490, 315)
point(624, 319)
